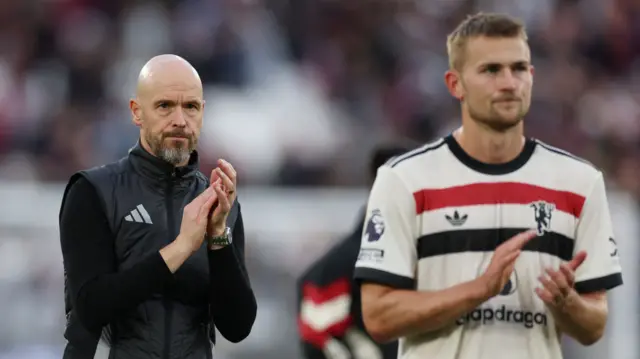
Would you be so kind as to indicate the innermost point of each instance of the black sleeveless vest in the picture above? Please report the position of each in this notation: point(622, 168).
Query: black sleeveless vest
point(143, 198)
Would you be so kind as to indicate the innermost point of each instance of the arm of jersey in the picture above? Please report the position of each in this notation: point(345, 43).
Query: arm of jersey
point(601, 270)
point(388, 253)
point(233, 304)
point(387, 264)
point(97, 292)
point(584, 318)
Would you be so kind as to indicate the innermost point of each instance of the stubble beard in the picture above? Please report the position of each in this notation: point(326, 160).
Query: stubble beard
point(176, 155)
point(496, 122)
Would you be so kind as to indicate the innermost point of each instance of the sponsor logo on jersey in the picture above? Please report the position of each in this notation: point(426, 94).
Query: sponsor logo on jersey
point(511, 286)
point(488, 316)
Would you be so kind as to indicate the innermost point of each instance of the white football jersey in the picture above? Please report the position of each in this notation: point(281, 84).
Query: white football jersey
point(435, 216)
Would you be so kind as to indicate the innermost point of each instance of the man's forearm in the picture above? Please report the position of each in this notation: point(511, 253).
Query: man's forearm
point(406, 312)
point(175, 254)
point(101, 299)
point(233, 303)
point(583, 318)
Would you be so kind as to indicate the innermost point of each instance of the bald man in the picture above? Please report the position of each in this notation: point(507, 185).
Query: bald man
point(153, 249)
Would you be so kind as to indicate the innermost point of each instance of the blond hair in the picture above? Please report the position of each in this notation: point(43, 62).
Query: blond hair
point(482, 24)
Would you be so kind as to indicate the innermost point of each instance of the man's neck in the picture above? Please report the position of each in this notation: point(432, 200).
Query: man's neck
point(489, 146)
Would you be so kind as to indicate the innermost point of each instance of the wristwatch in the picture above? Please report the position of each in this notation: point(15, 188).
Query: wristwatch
point(222, 240)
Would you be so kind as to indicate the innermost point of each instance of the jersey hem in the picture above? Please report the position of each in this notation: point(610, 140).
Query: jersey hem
point(377, 276)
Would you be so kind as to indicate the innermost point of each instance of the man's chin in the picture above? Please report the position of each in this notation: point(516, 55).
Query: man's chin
point(174, 156)
point(503, 123)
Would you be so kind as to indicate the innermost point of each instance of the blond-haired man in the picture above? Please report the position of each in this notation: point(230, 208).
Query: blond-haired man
point(487, 244)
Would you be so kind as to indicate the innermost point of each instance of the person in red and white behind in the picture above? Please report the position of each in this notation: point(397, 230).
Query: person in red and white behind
point(330, 320)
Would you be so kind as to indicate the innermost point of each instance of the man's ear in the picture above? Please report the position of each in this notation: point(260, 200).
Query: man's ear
point(452, 80)
point(136, 112)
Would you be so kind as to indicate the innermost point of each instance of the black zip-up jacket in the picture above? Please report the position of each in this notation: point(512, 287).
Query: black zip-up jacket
point(114, 219)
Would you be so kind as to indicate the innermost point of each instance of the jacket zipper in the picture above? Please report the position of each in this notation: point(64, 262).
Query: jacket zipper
point(166, 303)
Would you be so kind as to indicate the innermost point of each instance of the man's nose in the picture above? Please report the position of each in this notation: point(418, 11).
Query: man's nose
point(506, 81)
point(178, 119)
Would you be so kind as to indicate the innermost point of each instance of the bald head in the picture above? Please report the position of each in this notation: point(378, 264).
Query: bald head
point(168, 108)
point(167, 71)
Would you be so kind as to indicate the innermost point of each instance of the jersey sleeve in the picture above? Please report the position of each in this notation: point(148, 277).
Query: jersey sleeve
point(601, 270)
point(388, 252)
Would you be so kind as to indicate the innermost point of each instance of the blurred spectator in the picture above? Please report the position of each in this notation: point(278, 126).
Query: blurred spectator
point(342, 74)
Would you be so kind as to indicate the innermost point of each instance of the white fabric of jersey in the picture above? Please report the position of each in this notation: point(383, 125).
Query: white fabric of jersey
point(435, 215)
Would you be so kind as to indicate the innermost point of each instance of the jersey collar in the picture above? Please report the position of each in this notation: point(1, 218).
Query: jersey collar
point(491, 168)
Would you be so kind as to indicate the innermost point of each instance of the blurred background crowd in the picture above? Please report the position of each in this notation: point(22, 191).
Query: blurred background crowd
point(298, 92)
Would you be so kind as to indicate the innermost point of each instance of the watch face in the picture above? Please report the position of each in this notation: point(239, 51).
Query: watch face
point(229, 236)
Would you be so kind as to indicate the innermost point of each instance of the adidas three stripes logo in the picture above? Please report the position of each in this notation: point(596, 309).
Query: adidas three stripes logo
point(138, 215)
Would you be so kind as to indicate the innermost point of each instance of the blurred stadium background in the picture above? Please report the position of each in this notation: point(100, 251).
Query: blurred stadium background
point(298, 92)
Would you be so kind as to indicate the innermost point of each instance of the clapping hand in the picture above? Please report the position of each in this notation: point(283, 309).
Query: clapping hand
point(194, 220)
point(557, 285)
point(503, 262)
point(223, 181)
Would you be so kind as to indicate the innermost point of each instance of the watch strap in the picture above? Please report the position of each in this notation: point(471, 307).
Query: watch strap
point(221, 240)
